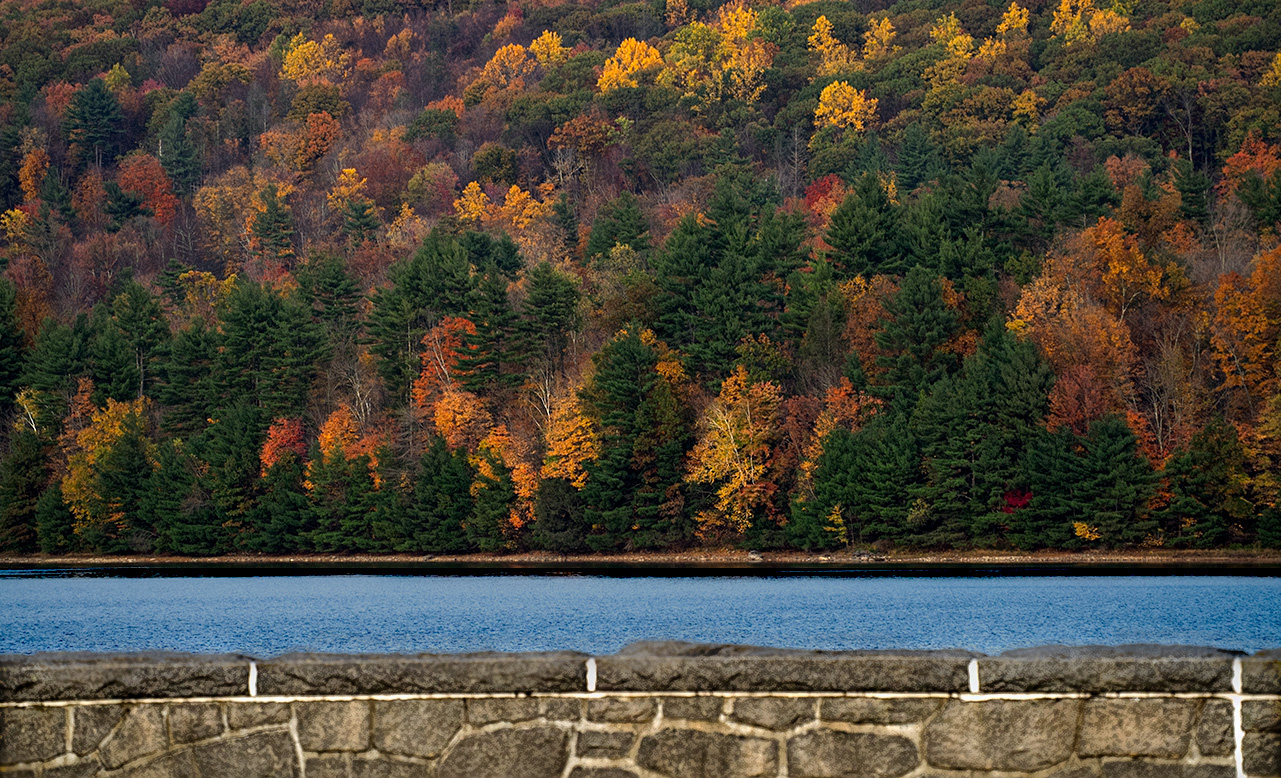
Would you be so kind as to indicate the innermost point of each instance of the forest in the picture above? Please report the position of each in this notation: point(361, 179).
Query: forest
point(426, 276)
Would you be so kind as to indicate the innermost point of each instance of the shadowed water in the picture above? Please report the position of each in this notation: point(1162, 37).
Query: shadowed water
point(267, 616)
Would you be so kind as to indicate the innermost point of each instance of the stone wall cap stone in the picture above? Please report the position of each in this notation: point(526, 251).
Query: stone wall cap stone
point(49, 676)
point(1261, 673)
point(318, 674)
point(1138, 667)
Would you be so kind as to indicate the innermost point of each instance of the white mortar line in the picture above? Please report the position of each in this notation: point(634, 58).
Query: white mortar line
point(253, 679)
point(591, 673)
point(974, 676)
point(1238, 728)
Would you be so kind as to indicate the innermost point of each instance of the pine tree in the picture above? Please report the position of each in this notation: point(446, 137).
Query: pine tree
point(58, 358)
point(273, 227)
point(549, 315)
point(495, 494)
point(359, 220)
point(122, 206)
point(919, 324)
point(620, 223)
point(171, 487)
point(55, 195)
point(283, 513)
point(1192, 185)
point(494, 345)
point(142, 325)
point(11, 344)
point(1207, 484)
point(179, 156)
point(864, 232)
point(441, 504)
point(23, 476)
point(731, 306)
point(93, 123)
point(190, 379)
point(918, 158)
point(560, 526)
point(54, 523)
point(680, 269)
point(124, 478)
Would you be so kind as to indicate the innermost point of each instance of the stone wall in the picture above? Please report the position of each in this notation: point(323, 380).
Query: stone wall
point(651, 711)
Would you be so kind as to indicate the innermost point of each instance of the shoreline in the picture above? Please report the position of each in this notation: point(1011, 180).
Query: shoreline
point(691, 560)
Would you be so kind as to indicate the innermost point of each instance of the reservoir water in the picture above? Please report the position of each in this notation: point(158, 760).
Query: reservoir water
point(271, 615)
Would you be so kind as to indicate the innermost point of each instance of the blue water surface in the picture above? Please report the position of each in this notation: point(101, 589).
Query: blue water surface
point(272, 615)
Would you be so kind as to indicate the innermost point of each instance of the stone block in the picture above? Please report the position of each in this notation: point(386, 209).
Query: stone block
point(1260, 674)
point(1214, 729)
point(303, 674)
point(860, 710)
point(1261, 715)
point(416, 727)
point(85, 769)
point(141, 733)
point(260, 755)
point(382, 768)
point(329, 766)
point(537, 752)
point(333, 726)
point(1262, 752)
point(1141, 769)
point(89, 676)
point(193, 721)
point(603, 745)
point(829, 754)
point(601, 772)
point(560, 709)
point(682, 753)
point(1129, 727)
point(247, 715)
point(482, 712)
point(622, 710)
point(1129, 668)
point(176, 765)
point(691, 667)
point(693, 708)
point(777, 713)
point(32, 734)
point(1023, 735)
point(1080, 771)
point(90, 724)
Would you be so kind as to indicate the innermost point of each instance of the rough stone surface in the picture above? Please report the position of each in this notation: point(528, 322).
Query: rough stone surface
point(1159, 728)
point(538, 752)
point(425, 673)
point(693, 708)
point(31, 734)
point(329, 766)
point(621, 709)
point(333, 726)
point(687, 753)
point(826, 754)
point(1214, 729)
point(381, 768)
point(859, 710)
point(690, 667)
point(141, 733)
point(1262, 752)
point(245, 715)
point(1261, 673)
point(260, 755)
point(482, 712)
point(555, 709)
point(778, 713)
point(601, 772)
point(1002, 735)
point(86, 769)
point(179, 765)
point(605, 745)
point(92, 723)
point(1261, 715)
point(194, 721)
point(88, 676)
point(1165, 770)
point(1132, 668)
point(416, 727)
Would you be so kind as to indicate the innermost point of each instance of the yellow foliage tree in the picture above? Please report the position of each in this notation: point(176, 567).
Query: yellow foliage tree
point(834, 57)
point(309, 62)
point(1014, 22)
point(473, 205)
point(736, 435)
point(348, 186)
point(571, 440)
point(92, 443)
point(1273, 76)
point(632, 58)
point(841, 105)
point(879, 41)
point(549, 50)
point(35, 164)
point(338, 434)
point(947, 31)
point(508, 68)
point(1079, 21)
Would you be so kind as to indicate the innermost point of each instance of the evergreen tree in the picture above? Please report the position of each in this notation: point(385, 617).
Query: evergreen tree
point(495, 494)
point(190, 379)
point(560, 526)
point(55, 195)
point(283, 513)
point(23, 475)
point(549, 316)
point(122, 206)
point(169, 500)
point(919, 324)
point(620, 223)
point(124, 479)
point(1207, 483)
point(359, 221)
point(273, 227)
point(484, 250)
point(58, 358)
point(92, 124)
point(441, 504)
point(435, 282)
point(55, 526)
point(139, 319)
point(270, 348)
point(178, 155)
point(563, 216)
point(680, 269)
point(822, 350)
point(495, 343)
point(229, 450)
point(731, 306)
point(864, 232)
point(1192, 185)
point(11, 344)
